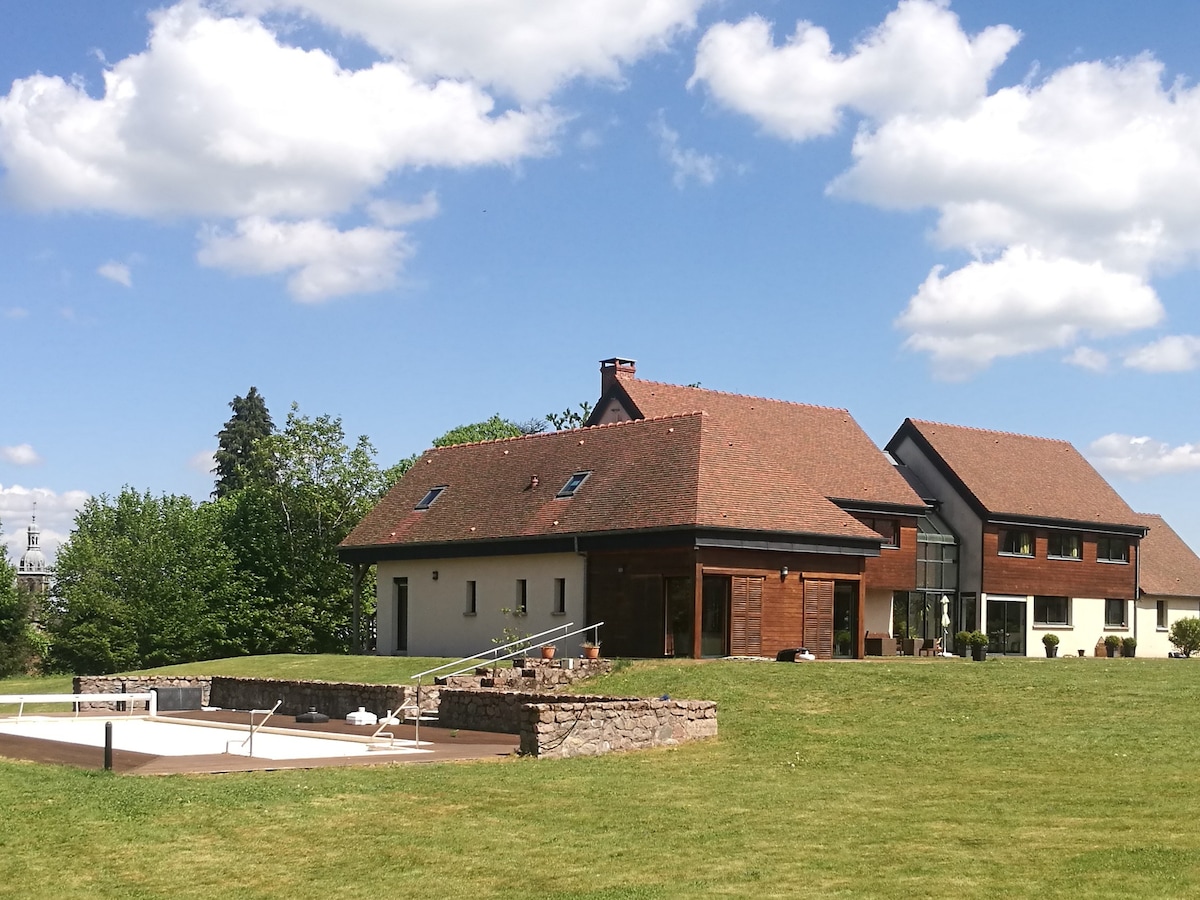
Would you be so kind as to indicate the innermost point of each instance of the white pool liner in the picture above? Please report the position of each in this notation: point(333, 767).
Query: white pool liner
point(170, 738)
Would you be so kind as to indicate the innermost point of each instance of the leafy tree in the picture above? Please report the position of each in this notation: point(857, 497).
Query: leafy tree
point(286, 529)
point(1185, 634)
point(570, 418)
point(235, 458)
point(143, 581)
point(493, 429)
point(17, 645)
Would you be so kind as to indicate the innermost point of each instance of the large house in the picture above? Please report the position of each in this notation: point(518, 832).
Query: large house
point(699, 523)
point(1168, 586)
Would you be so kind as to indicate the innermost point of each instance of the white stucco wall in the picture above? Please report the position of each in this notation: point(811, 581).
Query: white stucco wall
point(1086, 627)
point(437, 623)
point(878, 610)
point(1152, 641)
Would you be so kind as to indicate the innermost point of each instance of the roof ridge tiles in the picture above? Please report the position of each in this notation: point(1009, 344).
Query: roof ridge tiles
point(734, 394)
point(1019, 434)
point(585, 429)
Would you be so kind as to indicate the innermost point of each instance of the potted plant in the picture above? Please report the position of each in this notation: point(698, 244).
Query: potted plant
point(979, 644)
point(548, 651)
point(842, 639)
point(591, 649)
point(1129, 646)
point(962, 641)
point(1050, 641)
point(1111, 643)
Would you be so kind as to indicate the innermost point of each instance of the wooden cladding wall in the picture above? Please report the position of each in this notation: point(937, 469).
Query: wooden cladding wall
point(818, 617)
point(895, 568)
point(745, 622)
point(625, 592)
point(1038, 575)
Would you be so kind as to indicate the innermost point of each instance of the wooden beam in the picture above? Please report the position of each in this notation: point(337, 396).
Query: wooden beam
point(359, 571)
point(698, 612)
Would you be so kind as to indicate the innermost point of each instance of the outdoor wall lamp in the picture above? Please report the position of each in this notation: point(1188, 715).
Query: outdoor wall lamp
point(783, 573)
point(435, 574)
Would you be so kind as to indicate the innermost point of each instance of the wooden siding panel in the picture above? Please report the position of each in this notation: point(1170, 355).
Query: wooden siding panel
point(1038, 575)
point(896, 568)
point(745, 625)
point(625, 591)
point(818, 618)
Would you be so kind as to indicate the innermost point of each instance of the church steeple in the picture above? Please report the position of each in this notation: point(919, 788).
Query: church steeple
point(32, 572)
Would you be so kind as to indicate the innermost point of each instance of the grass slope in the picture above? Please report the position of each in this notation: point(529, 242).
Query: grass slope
point(1022, 778)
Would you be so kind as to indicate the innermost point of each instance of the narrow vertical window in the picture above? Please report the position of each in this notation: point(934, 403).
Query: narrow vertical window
point(401, 590)
point(522, 597)
point(471, 609)
point(560, 596)
point(1160, 610)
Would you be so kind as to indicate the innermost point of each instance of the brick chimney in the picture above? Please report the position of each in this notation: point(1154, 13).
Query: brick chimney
point(612, 369)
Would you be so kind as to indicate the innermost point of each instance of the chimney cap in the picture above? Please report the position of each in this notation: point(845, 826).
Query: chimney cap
point(619, 362)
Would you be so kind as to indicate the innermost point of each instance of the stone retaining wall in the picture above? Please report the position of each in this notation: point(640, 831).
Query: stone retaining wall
point(137, 684)
point(565, 725)
point(595, 727)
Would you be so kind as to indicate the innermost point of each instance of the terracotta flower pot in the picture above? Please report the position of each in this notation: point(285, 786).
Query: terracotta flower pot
point(548, 652)
point(591, 652)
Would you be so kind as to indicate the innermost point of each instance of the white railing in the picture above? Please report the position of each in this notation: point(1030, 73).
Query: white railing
point(150, 698)
point(522, 646)
point(249, 739)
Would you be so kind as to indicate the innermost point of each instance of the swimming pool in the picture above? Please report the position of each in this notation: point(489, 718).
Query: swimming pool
point(162, 738)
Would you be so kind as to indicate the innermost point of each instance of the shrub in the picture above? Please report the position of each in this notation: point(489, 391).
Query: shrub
point(978, 639)
point(1112, 641)
point(1050, 640)
point(962, 638)
point(1185, 634)
point(1128, 645)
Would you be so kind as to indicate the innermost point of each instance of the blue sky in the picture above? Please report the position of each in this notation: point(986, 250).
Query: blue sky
point(414, 215)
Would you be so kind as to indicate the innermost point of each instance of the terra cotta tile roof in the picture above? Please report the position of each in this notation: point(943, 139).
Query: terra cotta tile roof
point(664, 472)
point(824, 445)
point(1020, 475)
point(1168, 567)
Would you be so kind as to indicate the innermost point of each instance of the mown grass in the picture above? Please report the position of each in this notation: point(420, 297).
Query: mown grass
point(1022, 778)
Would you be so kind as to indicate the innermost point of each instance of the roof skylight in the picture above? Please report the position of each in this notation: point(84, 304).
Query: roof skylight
point(427, 500)
point(573, 484)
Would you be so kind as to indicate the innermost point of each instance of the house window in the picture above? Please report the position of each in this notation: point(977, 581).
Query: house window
point(400, 588)
point(1160, 612)
point(573, 484)
point(1051, 611)
point(1112, 549)
point(1114, 613)
point(522, 597)
point(1064, 546)
point(889, 530)
point(560, 596)
point(427, 500)
point(471, 607)
point(1016, 543)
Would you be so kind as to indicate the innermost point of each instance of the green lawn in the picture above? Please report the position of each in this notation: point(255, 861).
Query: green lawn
point(1022, 778)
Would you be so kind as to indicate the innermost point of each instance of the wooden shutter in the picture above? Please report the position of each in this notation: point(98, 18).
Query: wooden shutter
point(818, 618)
point(745, 629)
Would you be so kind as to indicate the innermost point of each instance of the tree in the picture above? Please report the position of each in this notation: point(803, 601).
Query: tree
point(286, 528)
point(143, 581)
point(570, 418)
point(18, 649)
point(493, 429)
point(235, 458)
point(1185, 634)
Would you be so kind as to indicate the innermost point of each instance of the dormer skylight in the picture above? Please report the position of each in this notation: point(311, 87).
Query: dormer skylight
point(427, 500)
point(573, 484)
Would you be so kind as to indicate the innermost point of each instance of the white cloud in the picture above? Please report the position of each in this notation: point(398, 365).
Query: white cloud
point(115, 271)
point(1020, 303)
point(1095, 167)
point(267, 129)
point(1174, 353)
point(393, 214)
point(20, 455)
point(203, 462)
point(1087, 358)
point(1142, 457)
point(527, 48)
point(322, 261)
point(686, 164)
point(55, 517)
point(16, 312)
point(917, 61)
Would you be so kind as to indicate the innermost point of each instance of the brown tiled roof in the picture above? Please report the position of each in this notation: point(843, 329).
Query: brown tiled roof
point(1020, 475)
point(1168, 567)
point(673, 471)
point(825, 445)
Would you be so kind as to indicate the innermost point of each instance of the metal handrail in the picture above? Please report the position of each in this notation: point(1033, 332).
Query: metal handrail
point(253, 728)
point(525, 644)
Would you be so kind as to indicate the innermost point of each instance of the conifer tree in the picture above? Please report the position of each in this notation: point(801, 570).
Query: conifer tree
point(235, 458)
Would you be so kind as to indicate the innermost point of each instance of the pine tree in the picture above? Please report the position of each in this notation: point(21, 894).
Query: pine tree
point(235, 457)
